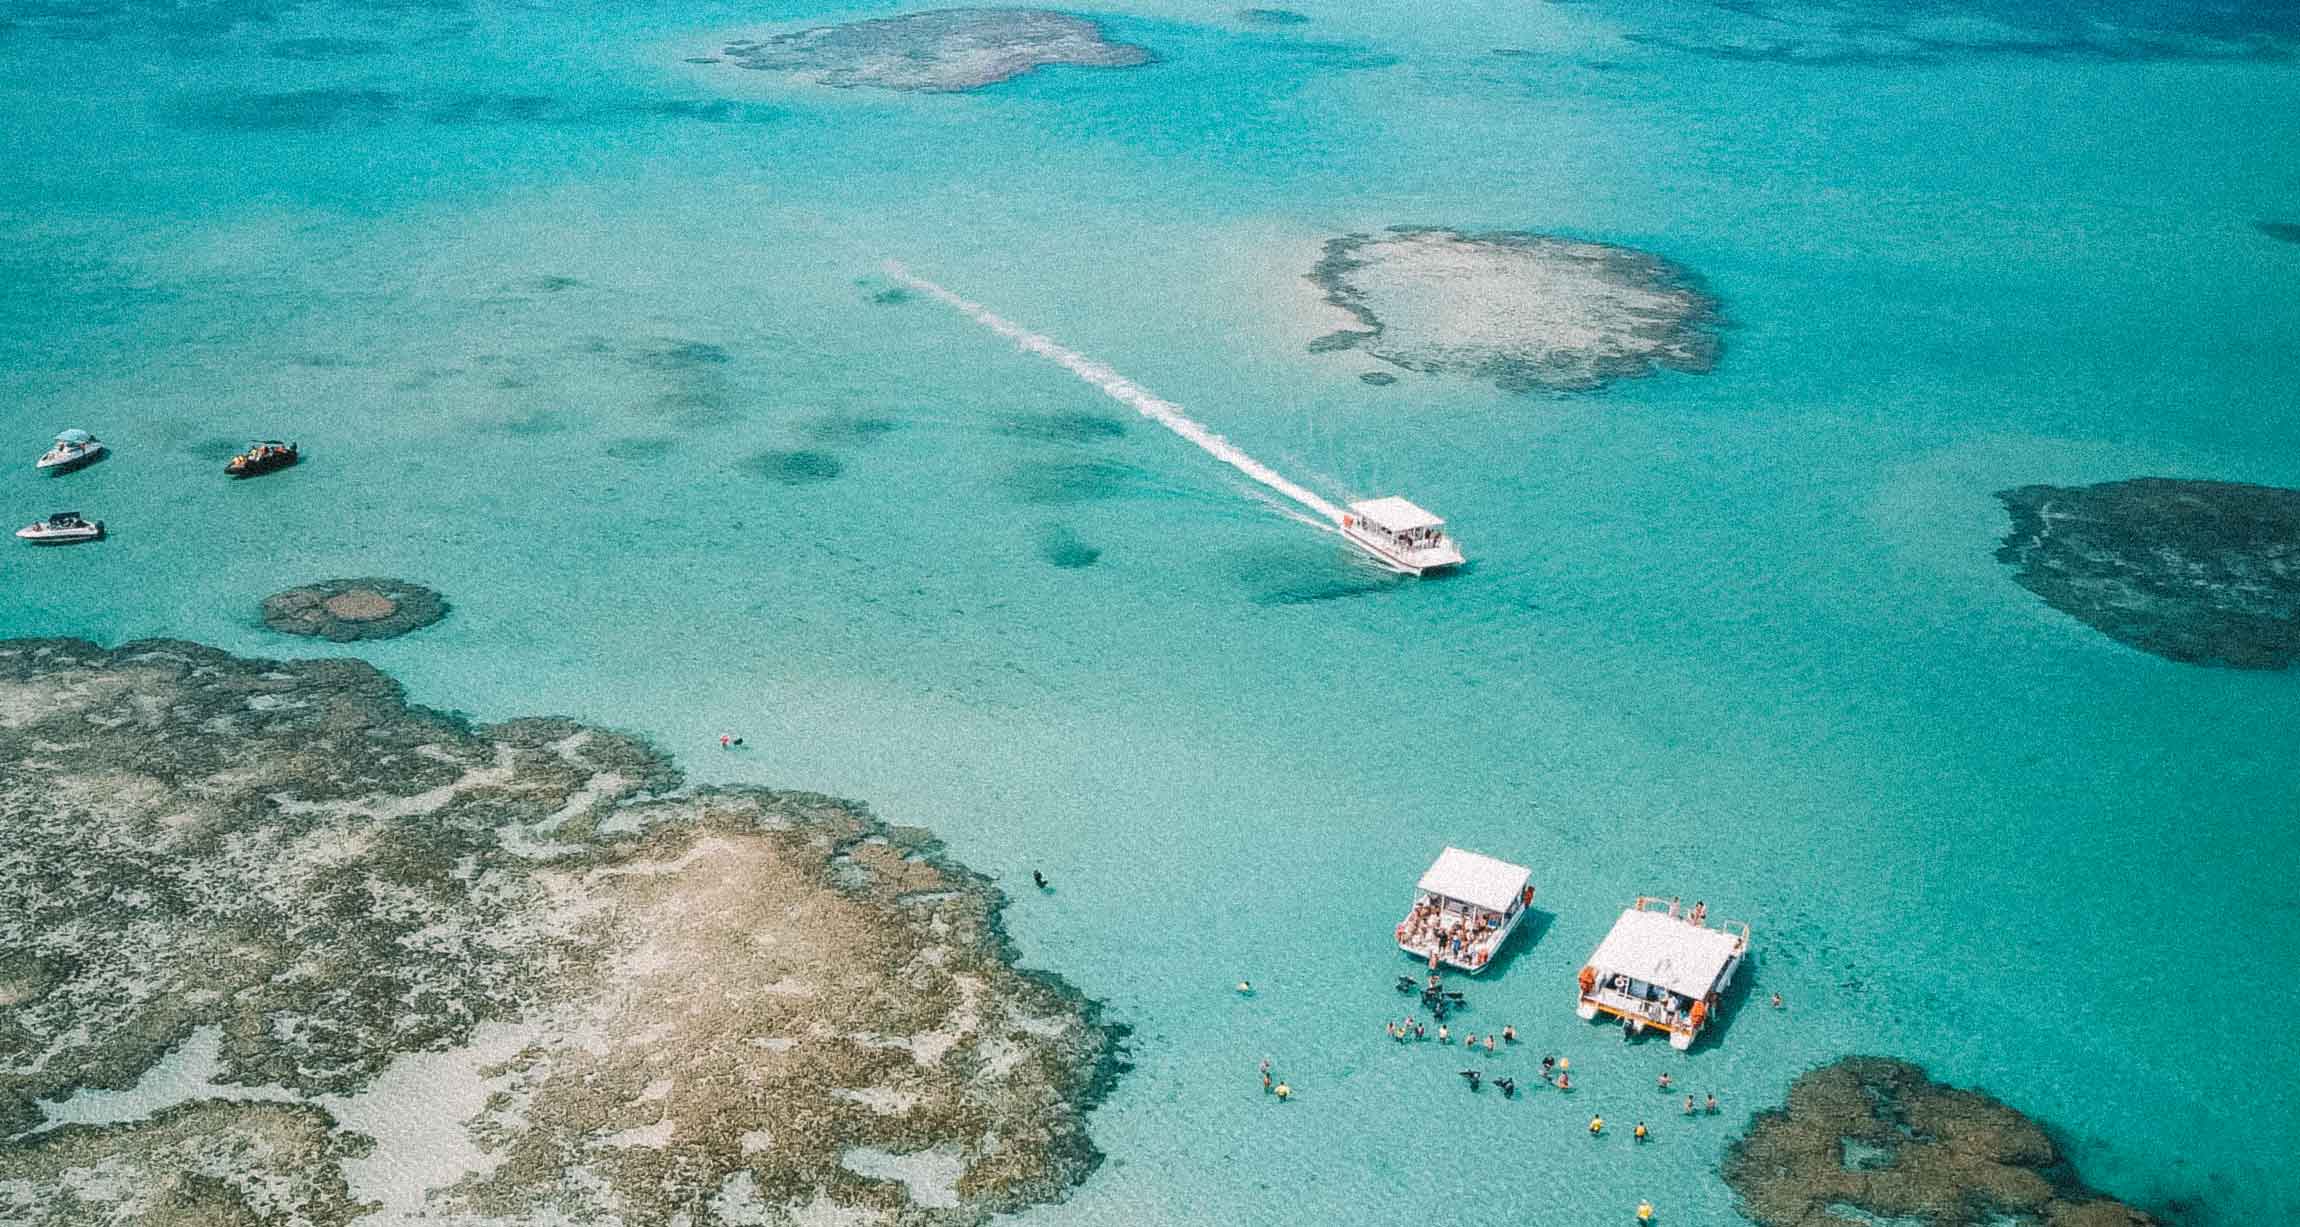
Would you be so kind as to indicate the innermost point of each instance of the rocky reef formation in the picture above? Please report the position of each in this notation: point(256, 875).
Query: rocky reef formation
point(1527, 311)
point(2284, 232)
point(345, 610)
point(1872, 1140)
point(939, 51)
point(728, 1005)
point(2204, 572)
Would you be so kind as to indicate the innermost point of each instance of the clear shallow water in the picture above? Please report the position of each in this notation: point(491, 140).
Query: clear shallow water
point(1736, 636)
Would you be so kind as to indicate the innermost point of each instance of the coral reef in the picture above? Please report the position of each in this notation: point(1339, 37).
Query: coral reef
point(939, 51)
point(726, 995)
point(1527, 311)
point(2287, 232)
point(2204, 572)
point(345, 610)
point(1872, 1140)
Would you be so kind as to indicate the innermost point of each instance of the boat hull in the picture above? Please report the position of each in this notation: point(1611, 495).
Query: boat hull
point(238, 471)
point(58, 465)
point(1414, 562)
point(37, 536)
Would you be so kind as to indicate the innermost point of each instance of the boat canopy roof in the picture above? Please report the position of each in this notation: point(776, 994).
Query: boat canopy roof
point(1395, 515)
point(74, 435)
point(1667, 950)
point(1475, 879)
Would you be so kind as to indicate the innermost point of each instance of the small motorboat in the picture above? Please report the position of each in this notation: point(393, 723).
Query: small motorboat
point(73, 449)
point(264, 456)
point(62, 528)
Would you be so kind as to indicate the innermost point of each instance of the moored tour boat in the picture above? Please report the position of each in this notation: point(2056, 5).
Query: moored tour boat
point(73, 448)
point(264, 456)
point(1464, 908)
point(1400, 536)
point(62, 528)
point(1663, 968)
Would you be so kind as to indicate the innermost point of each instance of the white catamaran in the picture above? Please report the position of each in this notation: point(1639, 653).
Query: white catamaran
point(1400, 536)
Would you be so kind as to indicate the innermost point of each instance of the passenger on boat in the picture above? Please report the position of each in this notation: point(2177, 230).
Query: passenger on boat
point(1700, 911)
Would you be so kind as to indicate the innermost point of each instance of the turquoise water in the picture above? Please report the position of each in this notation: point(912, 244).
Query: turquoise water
point(537, 297)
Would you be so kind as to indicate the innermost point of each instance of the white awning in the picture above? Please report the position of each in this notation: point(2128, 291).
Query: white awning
point(1475, 879)
point(1395, 515)
point(1667, 950)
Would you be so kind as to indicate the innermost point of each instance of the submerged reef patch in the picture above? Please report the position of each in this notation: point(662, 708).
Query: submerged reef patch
point(1273, 17)
point(1063, 427)
point(344, 610)
point(723, 993)
point(1526, 311)
point(2203, 572)
point(1872, 1140)
point(939, 51)
point(795, 468)
point(1061, 546)
point(2285, 232)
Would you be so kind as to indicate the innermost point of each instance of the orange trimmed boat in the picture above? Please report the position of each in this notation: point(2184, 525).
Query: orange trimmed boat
point(1663, 968)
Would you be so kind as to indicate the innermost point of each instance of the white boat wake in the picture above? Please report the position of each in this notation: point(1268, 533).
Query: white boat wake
point(1126, 391)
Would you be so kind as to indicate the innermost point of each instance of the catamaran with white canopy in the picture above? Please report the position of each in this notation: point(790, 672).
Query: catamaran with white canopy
point(1400, 536)
point(1661, 967)
point(1464, 908)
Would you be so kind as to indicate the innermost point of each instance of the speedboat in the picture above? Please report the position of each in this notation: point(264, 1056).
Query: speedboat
point(262, 457)
point(73, 449)
point(62, 528)
point(1400, 536)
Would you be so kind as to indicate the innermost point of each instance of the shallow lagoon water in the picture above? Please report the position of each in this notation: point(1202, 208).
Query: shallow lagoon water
point(1739, 636)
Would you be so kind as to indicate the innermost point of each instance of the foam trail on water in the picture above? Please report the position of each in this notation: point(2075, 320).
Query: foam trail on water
point(1121, 389)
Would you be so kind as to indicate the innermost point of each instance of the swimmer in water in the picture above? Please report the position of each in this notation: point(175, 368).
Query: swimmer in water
point(1473, 1077)
point(1509, 1034)
point(1548, 1067)
point(1489, 1041)
point(1245, 988)
point(1712, 1103)
point(1508, 1087)
point(1596, 1125)
point(1776, 1001)
point(1284, 1091)
point(1644, 1212)
point(1443, 1038)
point(1640, 1134)
point(1564, 1081)
point(1688, 1105)
point(1038, 878)
point(1665, 1080)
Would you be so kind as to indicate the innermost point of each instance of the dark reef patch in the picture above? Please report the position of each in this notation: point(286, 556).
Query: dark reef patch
point(795, 468)
point(1273, 17)
point(679, 356)
point(937, 51)
point(846, 429)
point(322, 48)
point(2283, 232)
point(642, 448)
point(2202, 572)
point(1377, 379)
point(344, 610)
point(1871, 1139)
point(1060, 483)
point(1063, 427)
point(891, 296)
point(288, 110)
point(1061, 546)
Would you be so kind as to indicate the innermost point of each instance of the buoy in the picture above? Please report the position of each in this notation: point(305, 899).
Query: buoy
point(1644, 1212)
